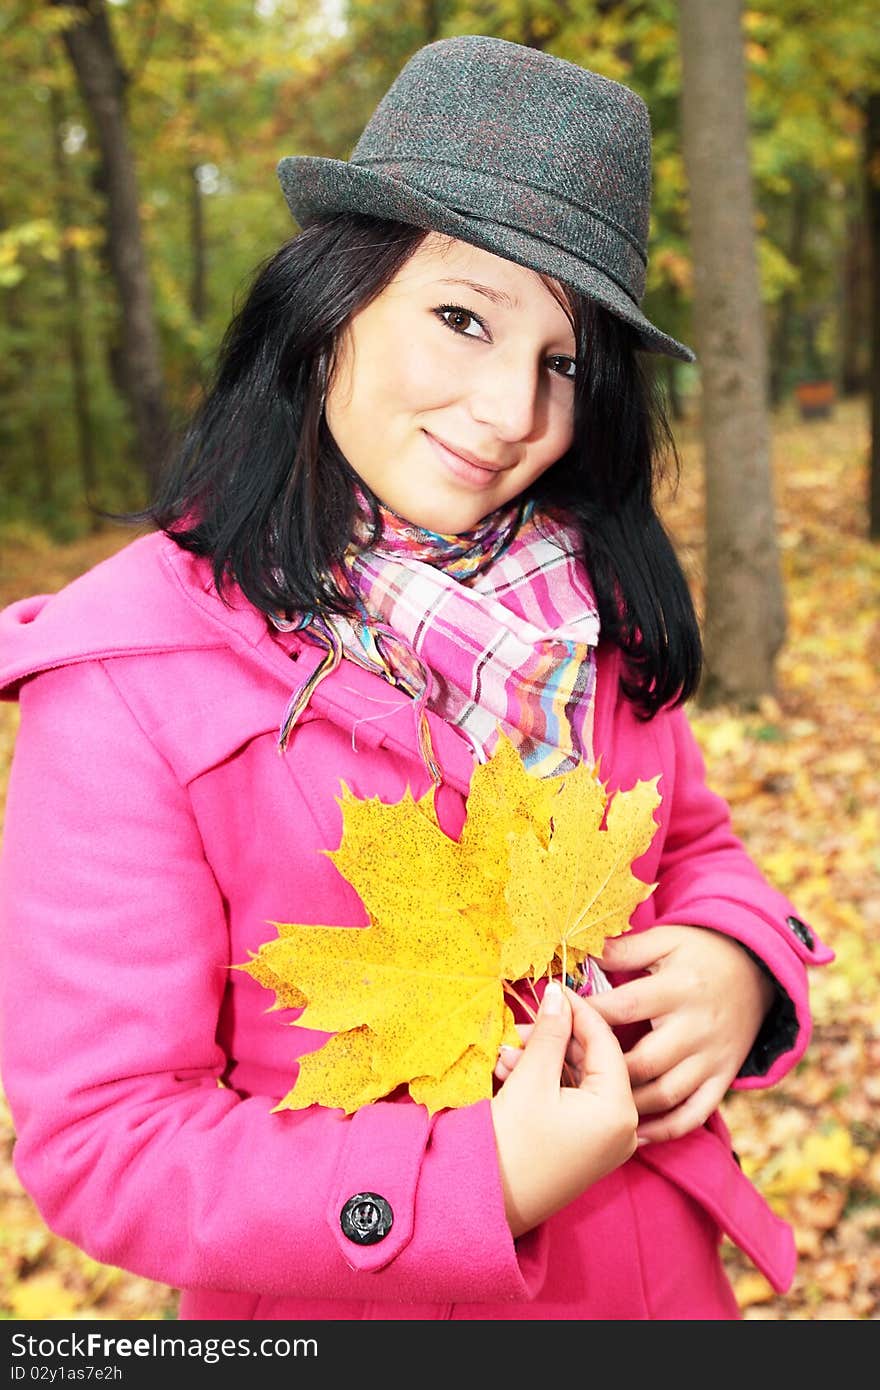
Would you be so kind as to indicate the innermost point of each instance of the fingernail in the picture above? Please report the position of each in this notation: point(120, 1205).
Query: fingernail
point(552, 1001)
point(508, 1053)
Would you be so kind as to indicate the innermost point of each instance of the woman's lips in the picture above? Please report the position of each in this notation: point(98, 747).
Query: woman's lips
point(464, 467)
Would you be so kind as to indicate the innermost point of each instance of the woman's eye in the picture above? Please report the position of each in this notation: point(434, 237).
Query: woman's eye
point(461, 321)
point(563, 366)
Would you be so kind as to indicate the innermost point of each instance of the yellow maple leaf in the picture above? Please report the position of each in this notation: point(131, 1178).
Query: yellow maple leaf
point(505, 799)
point(417, 994)
point(390, 853)
point(417, 998)
point(580, 889)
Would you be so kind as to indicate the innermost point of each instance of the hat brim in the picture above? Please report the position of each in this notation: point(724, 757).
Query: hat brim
point(316, 189)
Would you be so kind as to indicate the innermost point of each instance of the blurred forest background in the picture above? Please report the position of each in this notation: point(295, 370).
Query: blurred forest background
point(138, 144)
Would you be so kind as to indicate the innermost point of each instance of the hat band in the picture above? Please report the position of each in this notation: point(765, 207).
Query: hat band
point(523, 207)
point(557, 246)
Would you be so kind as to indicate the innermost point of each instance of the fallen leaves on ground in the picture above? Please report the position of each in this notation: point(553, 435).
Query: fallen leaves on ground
point(801, 777)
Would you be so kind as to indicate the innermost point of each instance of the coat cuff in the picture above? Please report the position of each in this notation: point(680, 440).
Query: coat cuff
point(372, 1205)
point(402, 1216)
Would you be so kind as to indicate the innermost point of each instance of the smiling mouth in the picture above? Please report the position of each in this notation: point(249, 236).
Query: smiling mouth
point(471, 459)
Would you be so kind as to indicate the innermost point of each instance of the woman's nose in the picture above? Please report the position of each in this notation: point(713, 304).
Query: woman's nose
point(506, 395)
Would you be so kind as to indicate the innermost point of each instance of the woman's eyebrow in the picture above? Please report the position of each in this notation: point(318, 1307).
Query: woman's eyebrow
point(496, 296)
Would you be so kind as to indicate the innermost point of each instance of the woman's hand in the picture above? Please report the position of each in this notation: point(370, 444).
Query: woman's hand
point(554, 1140)
point(705, 999)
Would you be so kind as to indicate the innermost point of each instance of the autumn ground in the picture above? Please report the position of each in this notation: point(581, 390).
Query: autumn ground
point(802, 775)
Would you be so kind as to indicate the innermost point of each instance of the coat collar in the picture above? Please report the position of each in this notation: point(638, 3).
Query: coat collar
point(151, 596)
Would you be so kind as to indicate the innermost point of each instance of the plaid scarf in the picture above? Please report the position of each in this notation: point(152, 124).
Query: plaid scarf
point(496, 627)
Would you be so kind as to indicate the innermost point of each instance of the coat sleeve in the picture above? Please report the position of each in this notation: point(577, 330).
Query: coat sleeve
point(706, 878)
point(115, 953)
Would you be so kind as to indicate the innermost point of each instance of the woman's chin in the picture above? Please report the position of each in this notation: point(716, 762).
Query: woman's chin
point(442, 517)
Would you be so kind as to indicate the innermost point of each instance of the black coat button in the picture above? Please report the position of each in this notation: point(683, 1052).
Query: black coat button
point(366, 1218)
point(801, 931)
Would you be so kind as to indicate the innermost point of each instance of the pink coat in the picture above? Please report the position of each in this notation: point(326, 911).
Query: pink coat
point(153, 832)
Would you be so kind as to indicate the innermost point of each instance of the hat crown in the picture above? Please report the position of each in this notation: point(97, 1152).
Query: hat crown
point(502, 111)
point(514, 150)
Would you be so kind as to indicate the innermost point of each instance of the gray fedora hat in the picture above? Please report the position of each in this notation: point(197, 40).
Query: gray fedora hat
point(514, 150)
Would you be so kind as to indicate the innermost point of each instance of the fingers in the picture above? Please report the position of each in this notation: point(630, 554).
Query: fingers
point(673, 1124)
point(508, 1056)
point(635, 950)
point(507, 1059)
point(637, 1001)
point(602, 1054)
point(556, 1135)
point(589, 1048)
point(542, 1058)
point(666, 1091)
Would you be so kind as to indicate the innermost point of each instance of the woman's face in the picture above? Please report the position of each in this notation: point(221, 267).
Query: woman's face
point(454, 389)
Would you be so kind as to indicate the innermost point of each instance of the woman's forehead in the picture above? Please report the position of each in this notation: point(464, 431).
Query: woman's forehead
point(441, 259)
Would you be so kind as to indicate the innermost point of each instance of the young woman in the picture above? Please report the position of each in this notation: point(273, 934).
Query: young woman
point(415, 509)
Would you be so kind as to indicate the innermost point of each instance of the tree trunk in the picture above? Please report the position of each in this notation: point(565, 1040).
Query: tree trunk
point(90, 46)
point(872, 195)
point(432, 20)
point(17, 372)
point(745, 608)
point(75, 312)
point(780, 348)
point(198, 296)
point(855, 335)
